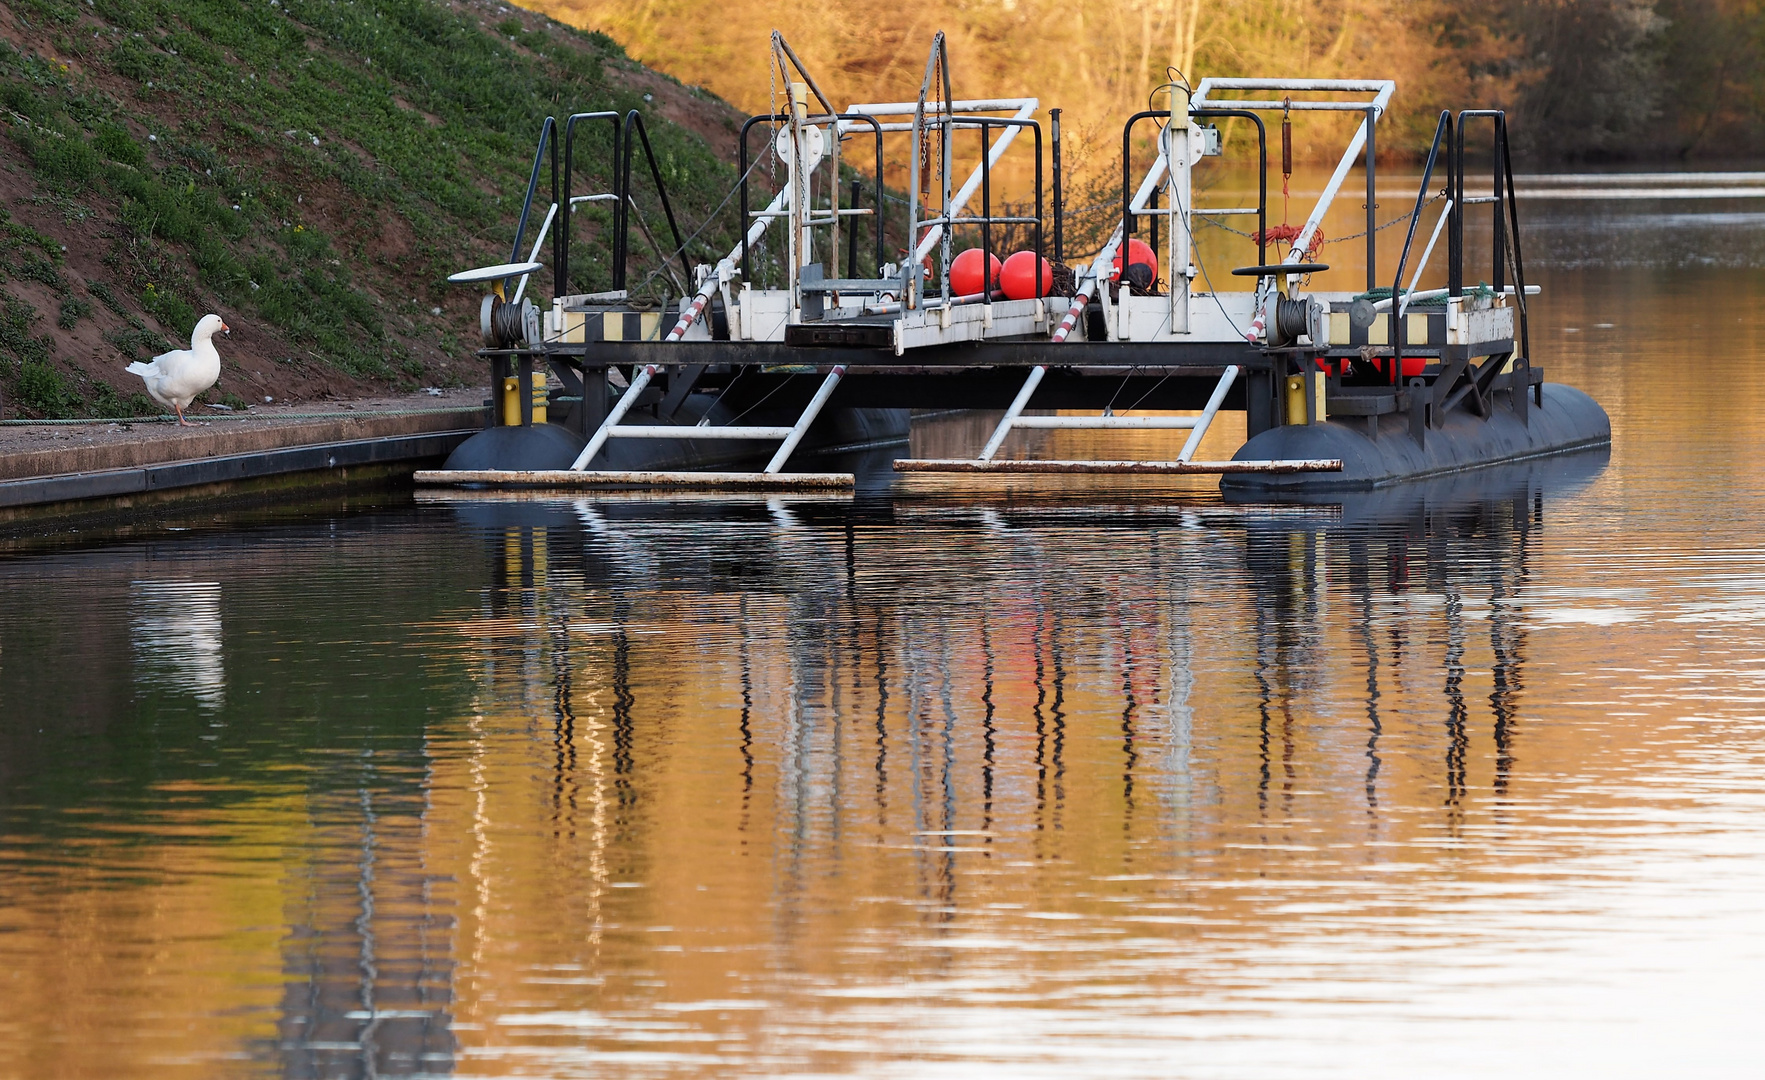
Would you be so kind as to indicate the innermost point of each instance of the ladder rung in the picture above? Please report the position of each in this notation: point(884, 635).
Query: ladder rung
point(674, 431)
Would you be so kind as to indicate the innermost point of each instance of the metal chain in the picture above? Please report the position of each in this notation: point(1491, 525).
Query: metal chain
point(772, 128)
point(1335, 239)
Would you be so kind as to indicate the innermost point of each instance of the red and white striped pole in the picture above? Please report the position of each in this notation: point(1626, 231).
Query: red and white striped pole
point(725, 268)
point(1099, 267)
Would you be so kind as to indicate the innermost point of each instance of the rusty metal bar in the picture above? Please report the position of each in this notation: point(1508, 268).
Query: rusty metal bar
point(564, 478)
point(969, 465)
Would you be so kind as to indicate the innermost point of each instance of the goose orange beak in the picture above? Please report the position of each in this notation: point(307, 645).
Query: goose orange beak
point(225, 329)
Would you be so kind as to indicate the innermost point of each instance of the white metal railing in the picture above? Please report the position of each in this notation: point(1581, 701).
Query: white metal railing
point(1196, 425)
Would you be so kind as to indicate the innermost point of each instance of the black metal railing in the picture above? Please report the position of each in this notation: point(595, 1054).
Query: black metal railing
point(987, 219)
point(1443, 130)
point(1506, 224)
point(1262, 179)
point(561, 232)
point(622, 234)
point(624, 146)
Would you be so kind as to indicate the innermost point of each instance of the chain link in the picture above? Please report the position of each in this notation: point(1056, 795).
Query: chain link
point(1336, 239)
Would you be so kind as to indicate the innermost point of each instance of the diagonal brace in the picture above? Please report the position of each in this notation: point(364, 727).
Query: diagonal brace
point(809, 414)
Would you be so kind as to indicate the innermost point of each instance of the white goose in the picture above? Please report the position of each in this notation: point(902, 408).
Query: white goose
point(174, 379)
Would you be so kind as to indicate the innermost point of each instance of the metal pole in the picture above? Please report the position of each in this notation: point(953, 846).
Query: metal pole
point(1227, 378)
point(1372, 206)
point(1501, 238)
point(1059, 197)
point(1455, 230)
point(796, 436)
point(986, 222)
point(1011, 414)
point(626, 401)
point(852, 241)
point(1177, 158)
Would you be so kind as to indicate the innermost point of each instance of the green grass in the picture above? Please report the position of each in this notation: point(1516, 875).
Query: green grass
point(210, 130)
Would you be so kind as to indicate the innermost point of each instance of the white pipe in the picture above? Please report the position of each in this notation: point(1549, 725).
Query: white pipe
point(1181, 423)
point(675, 431)
point(1422, 264)
point(909, 108)
point(1297, 106)
point(626, 401)
point(794, 435)
point(893, 307)
point(1382, 87)
point(533, 256)
point(1432, 294)
point(1011, 414)
point(1227, 378)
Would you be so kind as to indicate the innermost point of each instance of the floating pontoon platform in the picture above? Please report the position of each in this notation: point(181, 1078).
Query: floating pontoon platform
point(809, 338)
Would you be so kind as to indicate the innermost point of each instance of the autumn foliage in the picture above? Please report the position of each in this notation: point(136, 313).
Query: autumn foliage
point(1585, 79)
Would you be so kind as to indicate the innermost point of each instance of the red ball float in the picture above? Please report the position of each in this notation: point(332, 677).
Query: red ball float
point(1139, 251)
point(1020, 280)
point(965, 272)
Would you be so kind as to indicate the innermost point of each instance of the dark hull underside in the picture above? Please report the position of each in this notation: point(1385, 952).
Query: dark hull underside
point(1568, 420)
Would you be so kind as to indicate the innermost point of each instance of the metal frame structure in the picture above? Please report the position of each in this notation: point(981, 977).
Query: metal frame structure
point(1283, 354)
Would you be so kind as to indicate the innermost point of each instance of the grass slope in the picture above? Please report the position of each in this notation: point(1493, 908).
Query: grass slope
point(311, 169)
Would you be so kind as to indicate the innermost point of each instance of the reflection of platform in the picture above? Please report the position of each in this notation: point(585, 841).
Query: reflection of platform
point(1438, 497)
point(619, 496)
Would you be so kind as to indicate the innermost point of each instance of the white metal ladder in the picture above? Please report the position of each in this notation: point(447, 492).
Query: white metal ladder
point(611, 428)
point(1014, 417)
point(1184, 463)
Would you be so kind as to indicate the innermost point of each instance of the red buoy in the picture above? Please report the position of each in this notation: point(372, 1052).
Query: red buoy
point(1139, 251)
point(965, 272)
point(1020, 280)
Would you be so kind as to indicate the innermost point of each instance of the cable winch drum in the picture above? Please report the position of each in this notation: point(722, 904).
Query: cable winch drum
point(1294, 318)
point(504, 325)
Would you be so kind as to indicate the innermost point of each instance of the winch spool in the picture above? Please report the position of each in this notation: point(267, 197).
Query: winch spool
point(503, 325)
point(1292, 318)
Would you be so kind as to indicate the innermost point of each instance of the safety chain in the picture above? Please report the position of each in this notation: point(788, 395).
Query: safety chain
point(1336, 239)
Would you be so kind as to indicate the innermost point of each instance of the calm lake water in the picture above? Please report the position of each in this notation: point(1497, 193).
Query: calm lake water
point(1461, 782)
